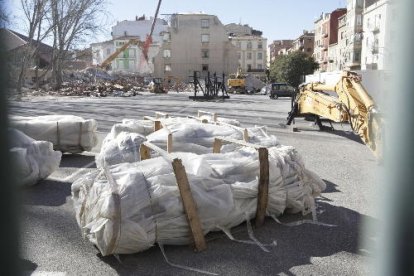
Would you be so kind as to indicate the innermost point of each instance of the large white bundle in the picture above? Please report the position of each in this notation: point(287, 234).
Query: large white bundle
point(142, 204)
point(34, 160)
point(68, 133)
point(189, 135)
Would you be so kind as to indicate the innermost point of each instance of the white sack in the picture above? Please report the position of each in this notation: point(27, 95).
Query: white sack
point(68, 133)
point(33, 160)
point(143, 206)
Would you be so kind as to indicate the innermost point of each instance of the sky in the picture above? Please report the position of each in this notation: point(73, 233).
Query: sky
point(277, 19)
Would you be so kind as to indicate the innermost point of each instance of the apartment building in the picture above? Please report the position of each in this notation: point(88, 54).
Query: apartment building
point(326, 36)
point(251, 47)
point(304, 43)
point(378, 32)
point(195, 42)
point(351, 35)
point(279, 47)
point(131, 60)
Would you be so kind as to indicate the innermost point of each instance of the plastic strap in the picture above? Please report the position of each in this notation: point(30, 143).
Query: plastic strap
point(161, 246)
point(113, 243)
point(300, 222)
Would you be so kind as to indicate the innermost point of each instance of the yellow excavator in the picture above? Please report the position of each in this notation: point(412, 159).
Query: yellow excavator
point(351, 104)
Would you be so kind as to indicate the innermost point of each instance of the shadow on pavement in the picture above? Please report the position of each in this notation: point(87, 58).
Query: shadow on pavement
point(47, 193)
point(77, 161)
point(295, 247)
point(330, 187)
point(26, 266)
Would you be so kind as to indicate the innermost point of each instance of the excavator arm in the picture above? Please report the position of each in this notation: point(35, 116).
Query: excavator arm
point(351, 104)
point(109, 59)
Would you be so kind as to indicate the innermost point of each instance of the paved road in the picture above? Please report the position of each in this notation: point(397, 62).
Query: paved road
point(51, 240)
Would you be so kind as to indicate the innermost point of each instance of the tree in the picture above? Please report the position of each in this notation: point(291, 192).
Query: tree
point(35, 13)
point(292, 67)
point(72, 21)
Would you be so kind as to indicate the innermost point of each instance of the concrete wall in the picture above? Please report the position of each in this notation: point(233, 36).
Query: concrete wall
point(139, 28)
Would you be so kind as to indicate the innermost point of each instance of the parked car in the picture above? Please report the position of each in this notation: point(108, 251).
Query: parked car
point(281, 90)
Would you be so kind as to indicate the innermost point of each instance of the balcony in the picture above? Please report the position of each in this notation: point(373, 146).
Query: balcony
point(375, 30)
point(374, 50)
point(324, 34)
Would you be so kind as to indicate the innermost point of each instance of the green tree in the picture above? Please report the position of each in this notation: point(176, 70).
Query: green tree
point(291, 68)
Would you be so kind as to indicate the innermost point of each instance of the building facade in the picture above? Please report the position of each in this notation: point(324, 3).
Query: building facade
point(279, 47)
point(132, 59)
point(251, 47)
point(195, 42)
point(326, 35)
point(378, 32)
point(304, 43)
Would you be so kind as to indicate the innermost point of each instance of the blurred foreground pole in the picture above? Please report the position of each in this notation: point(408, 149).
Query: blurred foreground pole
point(8, 226)
point(396, 253)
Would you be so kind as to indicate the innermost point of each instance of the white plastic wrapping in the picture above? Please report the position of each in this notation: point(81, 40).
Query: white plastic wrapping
point(128, 207)
point(67, 133)
point(33, 160)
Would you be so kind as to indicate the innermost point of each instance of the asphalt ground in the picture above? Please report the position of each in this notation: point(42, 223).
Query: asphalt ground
point(51, 241)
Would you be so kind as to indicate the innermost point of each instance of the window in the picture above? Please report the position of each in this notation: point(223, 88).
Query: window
point(309, 50)
point(126, 64)
point(166, 37)
point(249, 55)
point(205, 23)
point(205, 38)
point(249, 67)
point(131, 53)
point(167, 53)
point(359, 20)
point(125, 54)
point(167, 68)
point(119, 43)
point(259, 55)
point(260, 45)
point(357, 56)
point(204, 53)
point(249, 45)
point(238, 55)
point(108, 51)
point(204, 67)
point(259, 66)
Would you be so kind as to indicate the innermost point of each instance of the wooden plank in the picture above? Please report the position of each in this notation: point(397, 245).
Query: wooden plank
point(169, 143)
point(189, 205)
point(238, 142)
point(157, 125)
point(263, 188)
point(245, 135)
point(144, 152)
point(162, 152)
point(217, 145)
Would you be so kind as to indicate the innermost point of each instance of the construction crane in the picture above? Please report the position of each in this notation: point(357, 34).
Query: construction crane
point(353, 104)
point(134, 41)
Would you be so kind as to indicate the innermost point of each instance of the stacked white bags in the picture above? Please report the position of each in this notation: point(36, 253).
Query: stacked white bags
point(189, 135)
point(68, 133)
point(127, 207)
point(34, 160)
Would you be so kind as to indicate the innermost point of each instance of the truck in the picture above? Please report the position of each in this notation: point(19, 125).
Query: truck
point(244, 83)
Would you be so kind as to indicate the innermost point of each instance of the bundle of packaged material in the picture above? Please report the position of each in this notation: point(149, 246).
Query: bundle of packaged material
point(68, 133)
point(33, 160)
point(189, 135)
point(128, 207)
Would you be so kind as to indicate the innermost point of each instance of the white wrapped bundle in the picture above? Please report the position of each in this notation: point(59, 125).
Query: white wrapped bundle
point(68, 133)
point(34, 160)
point(199, 138)
point(124, 147)
point(129, 207)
